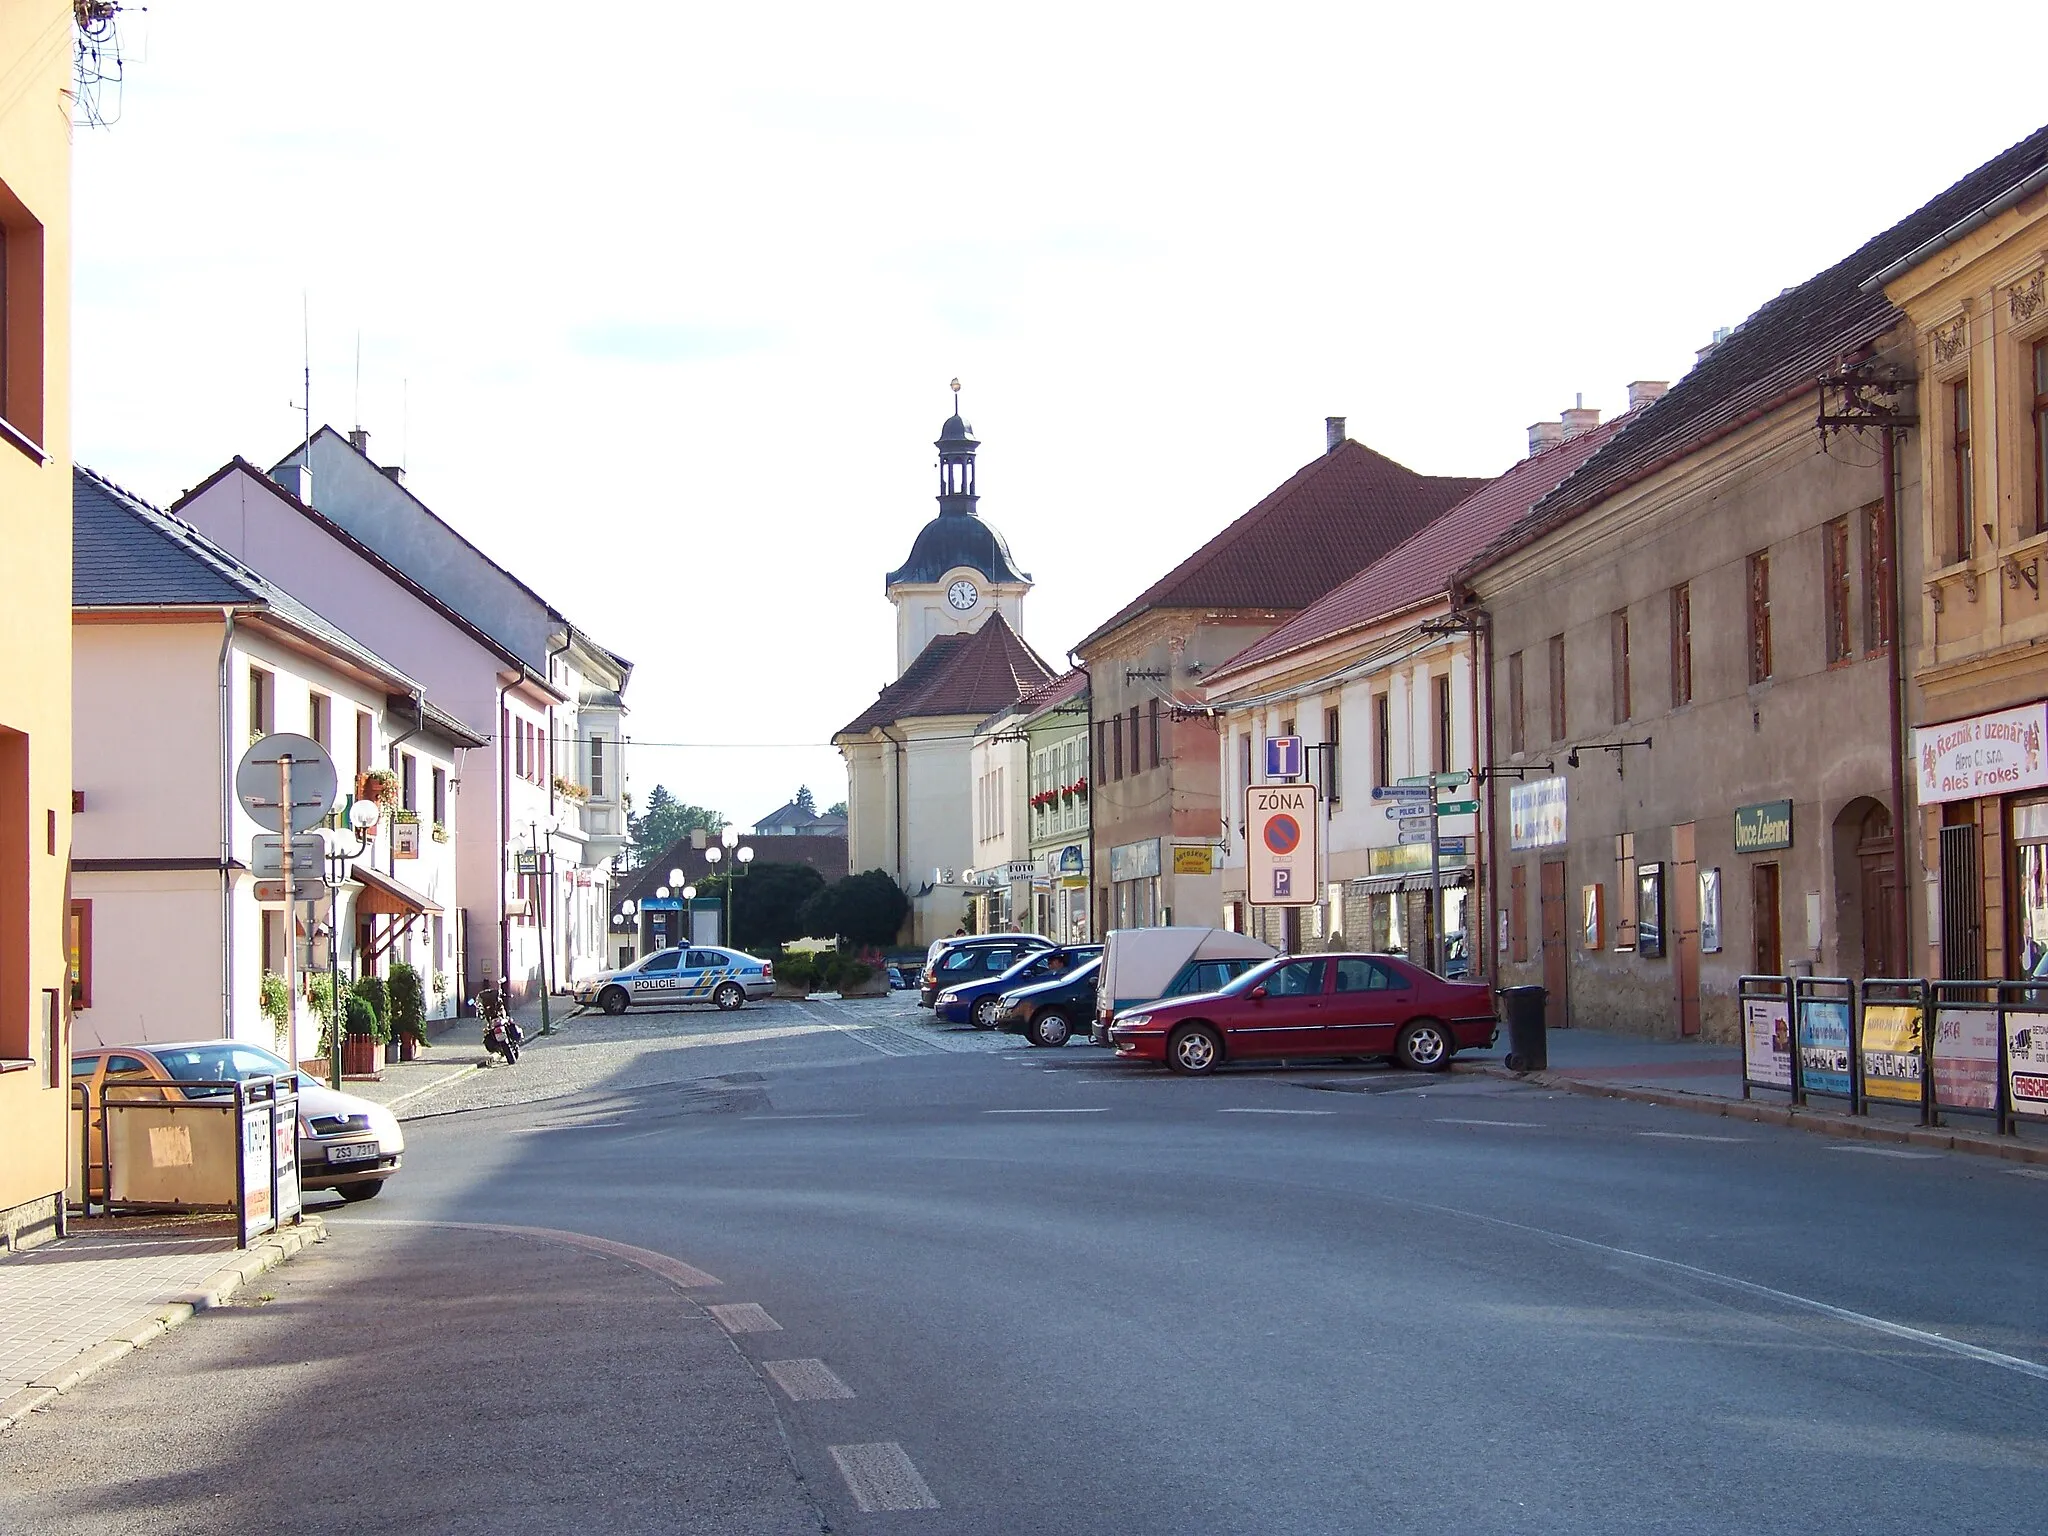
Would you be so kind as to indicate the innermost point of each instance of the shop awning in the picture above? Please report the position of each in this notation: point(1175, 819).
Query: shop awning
point(385, 897)
point(1387, 885)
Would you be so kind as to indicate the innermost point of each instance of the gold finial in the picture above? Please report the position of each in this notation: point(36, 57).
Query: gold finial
point(956, 391)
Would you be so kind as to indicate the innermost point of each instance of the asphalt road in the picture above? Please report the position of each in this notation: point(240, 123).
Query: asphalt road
point(965, 1286)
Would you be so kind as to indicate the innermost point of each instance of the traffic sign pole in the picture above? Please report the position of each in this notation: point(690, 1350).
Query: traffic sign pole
point(1436, 893)
point(291, 937)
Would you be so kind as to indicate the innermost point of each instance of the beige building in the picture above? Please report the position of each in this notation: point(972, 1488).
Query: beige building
point(35, 620)
point(1975, 292)
point(1156, 791)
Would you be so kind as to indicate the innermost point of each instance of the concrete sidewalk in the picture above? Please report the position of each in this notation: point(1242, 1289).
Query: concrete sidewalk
point(454, 1051)
point(73, 1307)
point(1695, 1075)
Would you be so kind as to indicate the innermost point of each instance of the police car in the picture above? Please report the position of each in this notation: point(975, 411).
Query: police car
point(668, 977)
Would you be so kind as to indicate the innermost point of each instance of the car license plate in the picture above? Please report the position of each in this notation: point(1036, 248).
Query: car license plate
point(354, 1152)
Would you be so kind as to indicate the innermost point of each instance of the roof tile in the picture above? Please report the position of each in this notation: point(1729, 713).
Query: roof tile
point(969, 673)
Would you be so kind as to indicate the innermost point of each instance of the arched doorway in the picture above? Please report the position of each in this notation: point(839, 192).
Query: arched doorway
point(1867, 884)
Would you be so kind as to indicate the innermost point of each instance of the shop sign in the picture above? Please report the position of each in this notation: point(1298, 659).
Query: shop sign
point(1408, 859)
point(1071, 859)
point(1824, 1046)
point(1767, 1041)
point(1891, 1052)
point(1134, 861)
point(1073, 882)
point(1710, 911)
point(1536, 814)
point(1194, 861)
point(1966, 1057)
point(2026, 1061)
point(405, 840)
point(1984, 755)
point(1760, 828)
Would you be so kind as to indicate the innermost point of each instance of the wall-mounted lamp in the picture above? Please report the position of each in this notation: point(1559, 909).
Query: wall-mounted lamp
point(1618, 748)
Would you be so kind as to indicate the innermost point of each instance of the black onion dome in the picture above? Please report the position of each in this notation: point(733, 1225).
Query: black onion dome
point(956, 430)
point(953, 540)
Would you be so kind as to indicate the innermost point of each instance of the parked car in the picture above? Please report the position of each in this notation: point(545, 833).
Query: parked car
point(1141, 965)
point(700, 973)
point(346, 1144)
point(898, 981)
point(1051, 1011)
point(977, 999)
point(965, 955)
point(1315, 1005)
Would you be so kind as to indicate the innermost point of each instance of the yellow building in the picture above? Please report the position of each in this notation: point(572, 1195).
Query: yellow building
point(35, 614)
point(1976, 294)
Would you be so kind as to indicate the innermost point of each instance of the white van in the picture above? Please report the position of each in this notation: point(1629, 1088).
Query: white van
point(1142, 965)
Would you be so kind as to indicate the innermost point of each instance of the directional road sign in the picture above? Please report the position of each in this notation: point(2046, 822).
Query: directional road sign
point(1453, 847)
point(1404, 836)
point(1414, 823)
point(1401, 792)
point(258, 775)
point(1281, 828)
point(266, 857)
point(270, 893)
point(1457, 807)
point(1406, 808)
point(1454, 780)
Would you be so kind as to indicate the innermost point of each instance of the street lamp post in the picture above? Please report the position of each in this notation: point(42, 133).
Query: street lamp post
point(629, 909)
point(362, 821)
point(740, 858)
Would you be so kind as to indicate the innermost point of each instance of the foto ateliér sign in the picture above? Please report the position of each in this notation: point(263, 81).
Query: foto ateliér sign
point(1984, 755)
point(1759, 828)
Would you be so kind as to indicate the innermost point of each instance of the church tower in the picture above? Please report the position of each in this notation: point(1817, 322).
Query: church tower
point(959, 570)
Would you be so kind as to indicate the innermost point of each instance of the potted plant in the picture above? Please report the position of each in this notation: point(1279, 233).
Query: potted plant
point(408, 1011)
point(796, 975)
point(275, 1000)
point(380, 785)
point(367, 1027)
point(440, 832)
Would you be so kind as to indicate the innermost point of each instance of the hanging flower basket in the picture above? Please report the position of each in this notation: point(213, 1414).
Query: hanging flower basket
point(380, 785)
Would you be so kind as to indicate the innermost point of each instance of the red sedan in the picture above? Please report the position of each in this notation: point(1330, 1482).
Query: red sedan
point(1316, 1005)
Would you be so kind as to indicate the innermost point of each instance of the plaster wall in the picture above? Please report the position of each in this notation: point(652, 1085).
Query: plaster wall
point(922, 611)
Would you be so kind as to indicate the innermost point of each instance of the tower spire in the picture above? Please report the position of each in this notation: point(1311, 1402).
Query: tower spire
point(956, 447)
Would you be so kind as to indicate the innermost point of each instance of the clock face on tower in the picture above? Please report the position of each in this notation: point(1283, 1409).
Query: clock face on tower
point(962, 594)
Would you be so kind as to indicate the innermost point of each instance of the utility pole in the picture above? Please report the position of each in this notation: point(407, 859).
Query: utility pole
point(1855, 397)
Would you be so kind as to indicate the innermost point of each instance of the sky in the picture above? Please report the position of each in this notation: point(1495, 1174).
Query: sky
point(658, 305)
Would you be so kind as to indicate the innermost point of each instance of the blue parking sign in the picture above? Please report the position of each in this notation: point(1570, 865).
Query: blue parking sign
point(1283, 757)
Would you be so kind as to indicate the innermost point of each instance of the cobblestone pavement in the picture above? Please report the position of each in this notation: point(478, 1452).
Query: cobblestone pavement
point(640, 1049)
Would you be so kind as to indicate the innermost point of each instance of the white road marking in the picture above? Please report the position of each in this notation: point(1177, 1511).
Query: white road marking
point(1525, 1125)
point(882, 1477)
point(1883, 1152)
point(2028, 1173)
point(581, 1125)
point(1688, 1136)
point(1099, 1110)
point(806, 1380)
point(1276, 1111)
point(1882, 1325)
point(842, 1116)
point(744, 1317)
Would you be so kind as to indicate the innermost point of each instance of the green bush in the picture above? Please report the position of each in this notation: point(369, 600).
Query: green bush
point(320, 992)
point(797, 971)
point(363, 1020)
point(371, 989)
point(275, 1000)
point(854, 973)
point(408, 1002)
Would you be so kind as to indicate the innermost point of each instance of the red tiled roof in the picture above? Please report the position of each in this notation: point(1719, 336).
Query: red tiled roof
point(971, 673)
point(1421, 568)
point(1775, 356)
point(1067, 685)
point(1332, 517)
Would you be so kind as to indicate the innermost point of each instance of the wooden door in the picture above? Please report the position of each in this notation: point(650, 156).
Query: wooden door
point(1556, 934)
point(1684, 921)
point(1766, 953)
point(1878, 894)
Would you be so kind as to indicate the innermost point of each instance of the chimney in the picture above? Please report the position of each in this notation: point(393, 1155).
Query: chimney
point(1544, 434)
point(359, 439)
point(1720, 335)
point(1333, 433)
point(396, 472)
point(698, 839)
point(296, 478)
point(1580, 419)
point(1645, 392)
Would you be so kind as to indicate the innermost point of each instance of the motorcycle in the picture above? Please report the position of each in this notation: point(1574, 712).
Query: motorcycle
point(502, 1036)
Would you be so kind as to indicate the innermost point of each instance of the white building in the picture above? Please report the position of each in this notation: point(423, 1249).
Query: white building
point(182, 656)
point(910, 794)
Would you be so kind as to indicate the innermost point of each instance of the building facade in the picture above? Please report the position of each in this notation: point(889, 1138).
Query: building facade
point(1156, 796)
point(1975, 297)
point(35, 621)
point(1054, 719)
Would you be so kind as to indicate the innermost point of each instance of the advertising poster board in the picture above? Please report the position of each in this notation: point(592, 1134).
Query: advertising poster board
point(258, 1214)
point(1891, 1052)
point(2026, 1063)
point(1710, 911)
point(1536, 814)
point(285, 1140)
point(1650, 911)
point(1824, 1046)
point(1966, 1058)
point(1767, 1041)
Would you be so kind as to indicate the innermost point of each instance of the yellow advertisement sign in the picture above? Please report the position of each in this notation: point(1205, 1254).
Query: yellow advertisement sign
point(1891, 1052)
point(1193, 861)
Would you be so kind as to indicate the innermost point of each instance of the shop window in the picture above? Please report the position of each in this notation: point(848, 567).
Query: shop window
point(1518, 729)
point(1760, 617)
point(1681, 645)
point(1835, 588)
point(1625, 891)
point(2030, 896)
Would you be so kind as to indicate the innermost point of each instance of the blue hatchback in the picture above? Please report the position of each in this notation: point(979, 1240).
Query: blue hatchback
point(976, 999)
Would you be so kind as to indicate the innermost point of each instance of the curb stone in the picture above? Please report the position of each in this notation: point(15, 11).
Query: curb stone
point(270, 1251)
point(1819, 1121)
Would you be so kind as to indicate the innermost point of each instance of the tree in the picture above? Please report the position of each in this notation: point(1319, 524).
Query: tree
point(861, 909)
point(838, 810)
point(804, 802)
point(665, 821)
point(768, 902)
